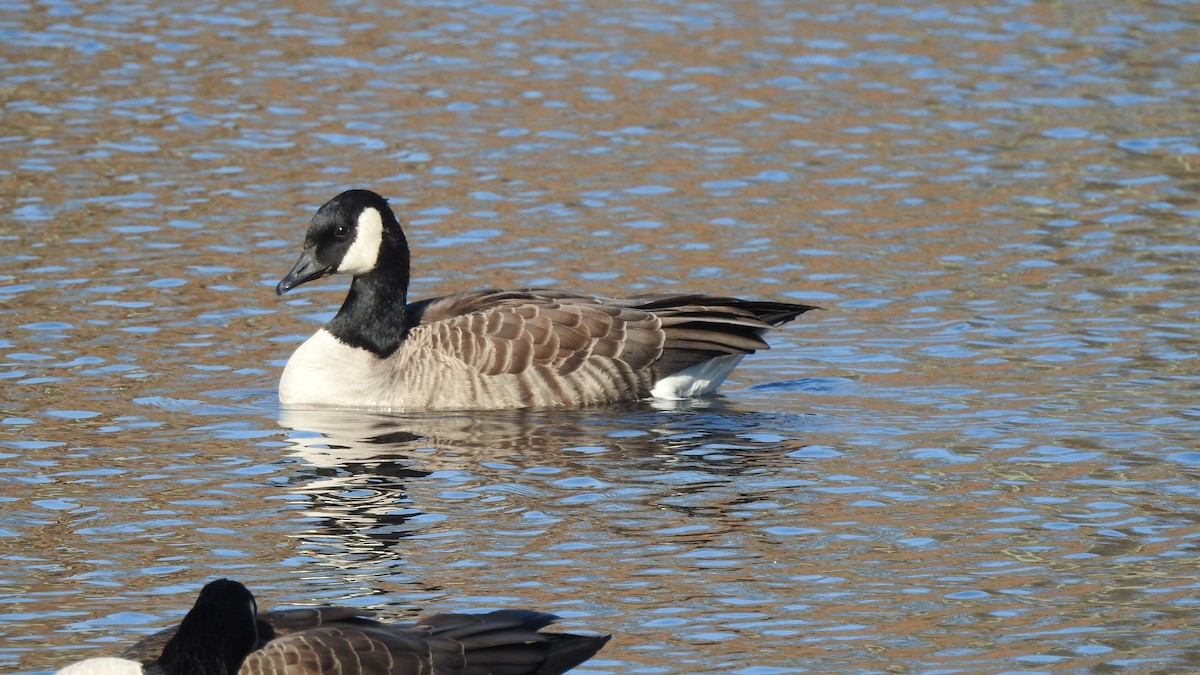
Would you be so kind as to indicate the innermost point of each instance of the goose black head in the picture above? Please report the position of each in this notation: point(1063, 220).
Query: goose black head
point(215, 636)
point(354, 233)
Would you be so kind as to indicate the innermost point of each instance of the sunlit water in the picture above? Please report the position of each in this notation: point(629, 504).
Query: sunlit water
point(980, 457)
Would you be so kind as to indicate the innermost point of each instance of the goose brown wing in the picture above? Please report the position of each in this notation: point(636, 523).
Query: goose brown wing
point(345, 651)
point(700, 327)
point(500, 643)
point(766, 312)
point(512, 331)
point(509, 642)
point(509, 332)
point(288, 621)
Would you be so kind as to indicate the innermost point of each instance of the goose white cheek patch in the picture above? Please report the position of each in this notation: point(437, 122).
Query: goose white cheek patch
point(363, 253)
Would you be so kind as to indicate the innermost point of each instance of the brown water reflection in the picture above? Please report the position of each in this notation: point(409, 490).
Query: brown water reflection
point(980, 458)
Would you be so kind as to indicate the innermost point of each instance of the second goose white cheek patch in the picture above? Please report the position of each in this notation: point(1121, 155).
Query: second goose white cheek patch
point(363, 253)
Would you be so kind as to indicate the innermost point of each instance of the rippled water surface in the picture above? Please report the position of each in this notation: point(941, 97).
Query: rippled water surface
point(981, 456)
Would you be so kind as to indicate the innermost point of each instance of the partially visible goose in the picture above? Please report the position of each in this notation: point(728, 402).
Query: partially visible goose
point(224, 635)
point(495, 348)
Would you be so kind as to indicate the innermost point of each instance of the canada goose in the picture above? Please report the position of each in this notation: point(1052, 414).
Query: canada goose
point(223, 635)
point(497, 348)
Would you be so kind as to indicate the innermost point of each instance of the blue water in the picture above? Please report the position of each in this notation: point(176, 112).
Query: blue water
point(980, 456)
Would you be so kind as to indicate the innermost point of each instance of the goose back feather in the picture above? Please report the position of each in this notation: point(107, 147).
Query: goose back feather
point(269, 625)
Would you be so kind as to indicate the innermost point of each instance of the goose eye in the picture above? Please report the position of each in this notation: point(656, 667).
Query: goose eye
point(342, 231)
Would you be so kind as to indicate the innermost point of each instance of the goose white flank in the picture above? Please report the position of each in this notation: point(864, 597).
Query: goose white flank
point(224, 634)
point(498, 348)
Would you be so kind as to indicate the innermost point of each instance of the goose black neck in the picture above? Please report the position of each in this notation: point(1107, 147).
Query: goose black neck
point(213, 639)
point(195, 664)
point(373, 315)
